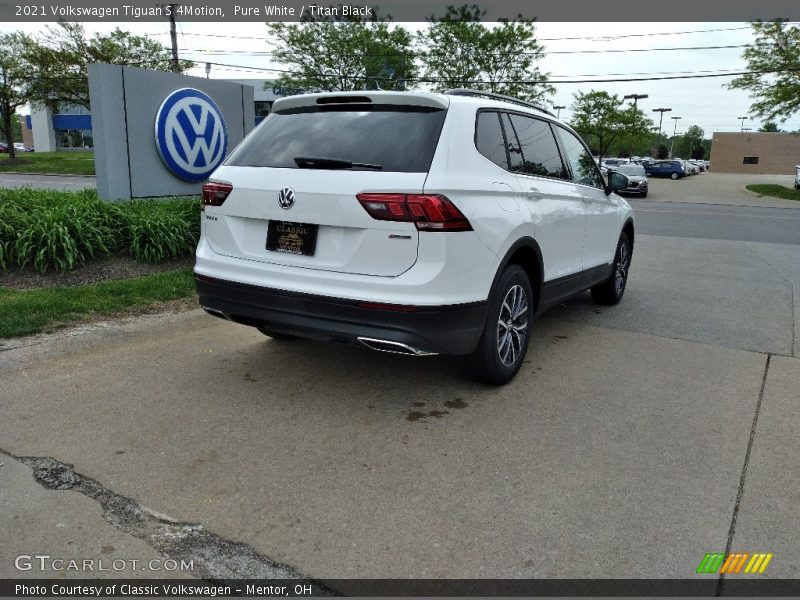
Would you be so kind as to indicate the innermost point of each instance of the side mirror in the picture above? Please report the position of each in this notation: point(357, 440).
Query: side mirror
point(616, 181)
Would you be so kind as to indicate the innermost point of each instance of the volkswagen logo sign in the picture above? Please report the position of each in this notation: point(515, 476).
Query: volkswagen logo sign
point(286, 198)
point(191, 135)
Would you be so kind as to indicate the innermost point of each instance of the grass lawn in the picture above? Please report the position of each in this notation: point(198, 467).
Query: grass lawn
point(774, 190)
point(63, 163)
point(23, 312)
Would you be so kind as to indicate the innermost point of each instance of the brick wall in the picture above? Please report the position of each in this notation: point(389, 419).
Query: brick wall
point(777, 153)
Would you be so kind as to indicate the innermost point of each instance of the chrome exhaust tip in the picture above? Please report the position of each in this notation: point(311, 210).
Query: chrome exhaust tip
point(216, 313)
point(393, 347)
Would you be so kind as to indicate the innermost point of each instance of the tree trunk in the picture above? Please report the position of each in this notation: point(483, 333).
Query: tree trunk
point(12, 154)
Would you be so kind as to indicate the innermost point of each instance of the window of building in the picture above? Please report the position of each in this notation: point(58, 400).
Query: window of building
point(750, 160)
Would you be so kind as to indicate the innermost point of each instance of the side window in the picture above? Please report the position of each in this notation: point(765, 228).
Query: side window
point(538, 150)
point(584, 169)
point(515, 157)
point(489, 138)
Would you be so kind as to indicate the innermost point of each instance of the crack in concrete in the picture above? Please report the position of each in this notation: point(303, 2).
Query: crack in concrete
point(740, 491)
point(213, 557)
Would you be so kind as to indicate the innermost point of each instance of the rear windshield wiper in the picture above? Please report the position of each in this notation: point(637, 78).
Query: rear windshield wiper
point(320, 162)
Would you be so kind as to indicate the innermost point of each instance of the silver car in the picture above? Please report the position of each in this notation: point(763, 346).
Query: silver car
point(637, 179)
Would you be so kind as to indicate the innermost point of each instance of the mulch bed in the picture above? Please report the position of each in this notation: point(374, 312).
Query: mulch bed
point(105, 269)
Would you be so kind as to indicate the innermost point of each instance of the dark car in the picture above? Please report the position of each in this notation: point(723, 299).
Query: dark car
point(3, 147)
point(637, 179)
point(665, 168)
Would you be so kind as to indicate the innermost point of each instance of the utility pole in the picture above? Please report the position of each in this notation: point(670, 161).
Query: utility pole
point(674, 131)
point(558, 108)
point(173, 34)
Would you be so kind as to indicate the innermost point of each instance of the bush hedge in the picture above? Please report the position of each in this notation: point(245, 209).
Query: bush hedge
point(48, 229)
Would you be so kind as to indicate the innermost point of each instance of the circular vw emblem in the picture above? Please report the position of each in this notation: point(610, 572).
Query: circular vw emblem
point(191, 135)
point(286, 198)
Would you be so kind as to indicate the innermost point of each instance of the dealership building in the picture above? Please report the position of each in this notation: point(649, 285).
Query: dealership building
point(69, 127)
point(755, 152)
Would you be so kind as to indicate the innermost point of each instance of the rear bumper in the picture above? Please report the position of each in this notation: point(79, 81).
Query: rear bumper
point(453, 329)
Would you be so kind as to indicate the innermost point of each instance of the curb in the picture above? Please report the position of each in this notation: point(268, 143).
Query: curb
point(44, 174)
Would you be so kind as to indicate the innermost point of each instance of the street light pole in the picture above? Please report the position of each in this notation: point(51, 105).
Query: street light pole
point(674, 131)
point(635, 98)
point(660, 119)
point(558, 108)
point(742, 119)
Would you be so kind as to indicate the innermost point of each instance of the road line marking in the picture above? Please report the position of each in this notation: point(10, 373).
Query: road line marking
point(673, 212)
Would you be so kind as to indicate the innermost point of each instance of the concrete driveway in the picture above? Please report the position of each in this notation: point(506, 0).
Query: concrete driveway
point(636, 438)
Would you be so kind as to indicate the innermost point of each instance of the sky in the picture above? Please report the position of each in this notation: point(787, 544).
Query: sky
point(705, 102)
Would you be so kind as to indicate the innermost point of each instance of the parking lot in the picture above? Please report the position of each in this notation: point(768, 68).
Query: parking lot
point(635, 439)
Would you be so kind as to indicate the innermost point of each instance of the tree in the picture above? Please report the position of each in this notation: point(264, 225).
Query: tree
point(15, 83)
point(343, 54)
point(691, 143)
point(600, 118)
point(460, 51)
point(61, 58)
point(774, 64)
point(769, 127)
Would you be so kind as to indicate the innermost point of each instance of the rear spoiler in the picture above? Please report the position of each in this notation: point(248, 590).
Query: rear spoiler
point(361, 98)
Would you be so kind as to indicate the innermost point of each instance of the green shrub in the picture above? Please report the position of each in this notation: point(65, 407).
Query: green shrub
point(161, 230)
point(47, 229)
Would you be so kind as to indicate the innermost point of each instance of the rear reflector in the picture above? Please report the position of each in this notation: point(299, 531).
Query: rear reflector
point(214, 194)
point(429, 212)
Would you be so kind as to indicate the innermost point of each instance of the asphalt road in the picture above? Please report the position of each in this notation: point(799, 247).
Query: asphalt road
point(711, 221)
point(52, 182)
point(635, 439)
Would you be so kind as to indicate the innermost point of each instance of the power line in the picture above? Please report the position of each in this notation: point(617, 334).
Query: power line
point(519, 82)
point(542, 53)
point(603, 38)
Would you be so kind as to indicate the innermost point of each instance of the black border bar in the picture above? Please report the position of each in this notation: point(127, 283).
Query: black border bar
point(755, 586)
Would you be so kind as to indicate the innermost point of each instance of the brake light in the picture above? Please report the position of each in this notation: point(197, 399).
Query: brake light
point(429, 212)
point(214, 194)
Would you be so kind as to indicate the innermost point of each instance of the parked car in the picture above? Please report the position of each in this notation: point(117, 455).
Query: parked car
point(3, 147)
point(665, 168)
point(20, 147)
point(637, 179)
point(700, 164)
point(488, 213)
point(797, 177)
point(614, 162)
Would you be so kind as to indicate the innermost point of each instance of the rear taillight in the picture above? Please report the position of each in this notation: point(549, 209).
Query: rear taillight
point(214, 194)
point(429, 212)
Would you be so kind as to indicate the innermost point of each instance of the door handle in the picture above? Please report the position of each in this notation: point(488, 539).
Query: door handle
point(533, 194)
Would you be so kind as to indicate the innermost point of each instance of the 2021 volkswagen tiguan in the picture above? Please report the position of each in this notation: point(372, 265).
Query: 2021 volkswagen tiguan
point(411, 222)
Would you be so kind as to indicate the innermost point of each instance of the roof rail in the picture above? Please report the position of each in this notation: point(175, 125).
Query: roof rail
point(493, 96)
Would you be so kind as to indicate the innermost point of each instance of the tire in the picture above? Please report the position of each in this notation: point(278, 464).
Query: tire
point(644, 194)
point(673, 176)
point(611, 291)
point(503, 344)
point(281, 337)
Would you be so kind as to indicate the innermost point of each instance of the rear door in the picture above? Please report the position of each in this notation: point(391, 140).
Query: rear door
point(296, 177)
point(556, 206)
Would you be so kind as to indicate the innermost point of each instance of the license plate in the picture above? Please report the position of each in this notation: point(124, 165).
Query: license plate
point(291, 238)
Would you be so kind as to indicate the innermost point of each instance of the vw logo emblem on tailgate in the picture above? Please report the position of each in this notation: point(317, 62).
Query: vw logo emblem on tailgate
point(191, 135)
point(286, 198)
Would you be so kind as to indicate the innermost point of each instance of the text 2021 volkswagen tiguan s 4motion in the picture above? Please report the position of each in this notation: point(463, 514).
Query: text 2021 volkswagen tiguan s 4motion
point(412, 223)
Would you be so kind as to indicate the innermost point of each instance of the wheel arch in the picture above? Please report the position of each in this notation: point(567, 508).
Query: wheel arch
point(526, 253)
point(628, 229)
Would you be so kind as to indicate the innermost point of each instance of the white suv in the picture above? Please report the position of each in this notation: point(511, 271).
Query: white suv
point(412, 223)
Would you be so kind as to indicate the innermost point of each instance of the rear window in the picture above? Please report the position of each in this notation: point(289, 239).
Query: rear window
point(398, 138)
